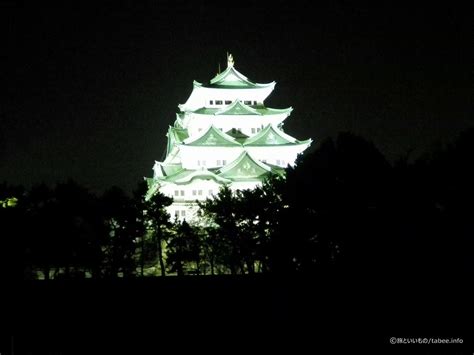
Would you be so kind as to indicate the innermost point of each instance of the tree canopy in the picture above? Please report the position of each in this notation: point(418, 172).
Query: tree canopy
point(343, 206)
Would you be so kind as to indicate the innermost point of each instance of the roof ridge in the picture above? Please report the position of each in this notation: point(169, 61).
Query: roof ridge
point(236, 162)
point(265, 134)
point(212, 129)
point(220, 80)
point(234, 104)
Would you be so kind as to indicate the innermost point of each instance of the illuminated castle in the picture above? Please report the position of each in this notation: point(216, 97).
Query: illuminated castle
point(223, 134)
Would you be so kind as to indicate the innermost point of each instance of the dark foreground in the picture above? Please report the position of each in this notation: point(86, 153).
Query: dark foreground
point(245, 313)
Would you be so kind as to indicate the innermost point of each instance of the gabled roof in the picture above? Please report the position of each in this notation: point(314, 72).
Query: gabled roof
point(270, 135)
point(244, 168)
point(178, 123)
point(212, 137)
point(175, 136)
point(237, 135)
point(153, 187)
point(273, 111)
point(231, 78)
point(171, 169)
point(150, 182)
point(237, 108)
point(158, 170)
point(178, 134)
point(162, 170)
point(173, 156)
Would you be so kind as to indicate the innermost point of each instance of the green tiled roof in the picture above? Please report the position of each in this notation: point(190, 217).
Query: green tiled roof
point(213, 137)
point(175, 136)
point(277, 169)
point(237, 108)
point(258, 110)
point(269, 136)
point(149, 182)
point(244, 168)
point(273, 111)
point(171, 169)
point(178, 123)
point(153, 187)
point(231, 78)
point(237, 135)
point(185, 176)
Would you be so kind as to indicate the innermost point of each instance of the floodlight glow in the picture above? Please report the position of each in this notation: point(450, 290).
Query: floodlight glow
point(223, 134)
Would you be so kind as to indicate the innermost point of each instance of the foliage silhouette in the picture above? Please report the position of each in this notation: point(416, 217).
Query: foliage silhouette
point(157, 223)
point(342, 207)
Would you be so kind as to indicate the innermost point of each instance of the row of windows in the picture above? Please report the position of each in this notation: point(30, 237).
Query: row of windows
point(228, 102)
point(181, 213)
point(199, 192)
point(219, 162)
point(235, 130)
point(223, 162)
point(194, 192)
point(278, 162)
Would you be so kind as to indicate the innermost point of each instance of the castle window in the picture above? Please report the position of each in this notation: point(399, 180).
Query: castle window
point(224, 162)
point(183, 213)
point(218, 102)
point(211, 102)
point(219, 162)
point(199, 192)
point(194, 192)
point(248, 102)
point(228, 102)
point(253, 130)
point(182, 192)
point(255, 102)
point(176, 214)
point(176, 192)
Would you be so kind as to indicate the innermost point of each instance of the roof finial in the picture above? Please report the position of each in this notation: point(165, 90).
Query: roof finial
point(230, 61)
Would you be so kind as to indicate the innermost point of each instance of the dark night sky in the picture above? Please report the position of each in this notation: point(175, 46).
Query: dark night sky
point(91, 89)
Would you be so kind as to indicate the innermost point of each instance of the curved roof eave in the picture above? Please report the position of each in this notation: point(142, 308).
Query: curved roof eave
point(234, 106)
point(201, 175)
point(238, 161)
point(212, 129)
point(220, 79)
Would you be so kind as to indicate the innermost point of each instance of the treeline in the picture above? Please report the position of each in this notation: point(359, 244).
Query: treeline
point(344, 206)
